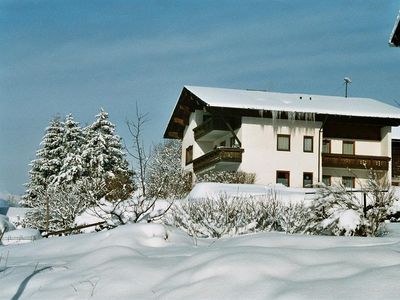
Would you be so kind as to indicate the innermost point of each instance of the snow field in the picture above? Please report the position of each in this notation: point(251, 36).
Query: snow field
point(151, 261)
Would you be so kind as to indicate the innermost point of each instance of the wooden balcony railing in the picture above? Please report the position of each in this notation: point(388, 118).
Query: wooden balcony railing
point(219, 155)
point(355, 161)
point(214, 124)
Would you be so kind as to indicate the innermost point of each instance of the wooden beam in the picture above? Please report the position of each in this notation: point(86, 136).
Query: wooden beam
point(185, 109)
point(180, 121)
point(174, 135)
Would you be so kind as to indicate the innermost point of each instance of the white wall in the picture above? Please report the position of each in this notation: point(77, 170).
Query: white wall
point(259, 141)
point(362, 147)
point(188, 139)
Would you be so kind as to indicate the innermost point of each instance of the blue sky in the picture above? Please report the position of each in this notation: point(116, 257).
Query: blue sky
point(72, 56)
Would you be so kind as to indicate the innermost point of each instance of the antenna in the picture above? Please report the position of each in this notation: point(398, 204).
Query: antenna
point(347, 81)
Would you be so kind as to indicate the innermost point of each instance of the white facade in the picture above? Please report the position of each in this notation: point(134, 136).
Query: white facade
point(261, 156)
point(259, 141)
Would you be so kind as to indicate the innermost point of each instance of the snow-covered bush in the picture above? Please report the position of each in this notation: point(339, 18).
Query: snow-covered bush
point(5, 226)
point(231, 216)
point(294, 218)
point(394, 210)
point(58, 205)
point(166, 179)
point(116, 213)
point(340, 211)
point(227, 177)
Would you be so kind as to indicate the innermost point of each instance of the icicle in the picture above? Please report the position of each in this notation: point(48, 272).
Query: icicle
point(276, 114)
point(291, 115)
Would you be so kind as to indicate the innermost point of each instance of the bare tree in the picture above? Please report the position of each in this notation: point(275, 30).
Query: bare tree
point(137, 150)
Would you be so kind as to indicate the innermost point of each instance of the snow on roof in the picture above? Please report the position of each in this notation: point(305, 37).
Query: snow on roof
point(261, 100)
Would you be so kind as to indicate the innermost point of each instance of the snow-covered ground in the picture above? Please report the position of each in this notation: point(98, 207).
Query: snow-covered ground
point(213, 190)
point(150, 261)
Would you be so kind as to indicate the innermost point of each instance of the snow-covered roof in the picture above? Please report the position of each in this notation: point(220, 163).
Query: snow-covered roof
point(269, 104)
point(261, 100)
point(394, 40)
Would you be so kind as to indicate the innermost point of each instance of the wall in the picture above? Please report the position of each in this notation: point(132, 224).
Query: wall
point(188, 139)
point(259, 140)
point(362, 147)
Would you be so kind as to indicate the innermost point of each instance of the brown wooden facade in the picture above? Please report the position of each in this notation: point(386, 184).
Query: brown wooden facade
point(355, 161)
point(219, 155)
point(213, 124)
point(396, 158)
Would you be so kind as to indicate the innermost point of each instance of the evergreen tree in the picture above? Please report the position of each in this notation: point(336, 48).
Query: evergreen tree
point(104, 157)
point(72, 168)
point(48, 162)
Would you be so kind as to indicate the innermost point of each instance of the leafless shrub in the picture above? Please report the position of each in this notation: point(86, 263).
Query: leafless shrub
point(227, 177)
point(226, 217)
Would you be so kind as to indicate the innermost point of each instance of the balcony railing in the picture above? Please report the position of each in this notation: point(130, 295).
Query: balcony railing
point(214, 124)
point(217, 156)
point(355, 161)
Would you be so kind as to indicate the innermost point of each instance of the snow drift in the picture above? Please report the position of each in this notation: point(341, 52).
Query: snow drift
point(151, 261)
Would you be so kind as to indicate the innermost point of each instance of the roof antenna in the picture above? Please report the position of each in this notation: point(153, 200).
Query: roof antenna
point(347, 81)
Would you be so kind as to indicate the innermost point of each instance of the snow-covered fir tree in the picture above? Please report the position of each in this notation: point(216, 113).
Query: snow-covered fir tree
point(48, 162)
point(166, 178)
point(105, 158)
point(72, 167)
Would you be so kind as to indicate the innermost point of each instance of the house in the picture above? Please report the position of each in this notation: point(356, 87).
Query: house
point(295, 139)
point(394, 40)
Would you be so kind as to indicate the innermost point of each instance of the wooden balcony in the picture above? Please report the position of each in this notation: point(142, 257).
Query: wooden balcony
point(222, 155)
point(355, 161)
point(214, 128)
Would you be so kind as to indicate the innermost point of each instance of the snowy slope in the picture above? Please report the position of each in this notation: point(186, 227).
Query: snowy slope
point(148, 261)
point(213, 190)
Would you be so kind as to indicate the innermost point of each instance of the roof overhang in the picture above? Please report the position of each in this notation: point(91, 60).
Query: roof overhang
point(394, 40)
point(188, 102)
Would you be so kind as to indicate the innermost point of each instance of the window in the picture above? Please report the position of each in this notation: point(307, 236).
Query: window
point(189, 155)
point(283, 177)
point(326, 146)
point(307, 179)
point(348, 147)
point(326, 179)
point(283, 142)
point(222, 144)
point(308, 144)
point(348, 181)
